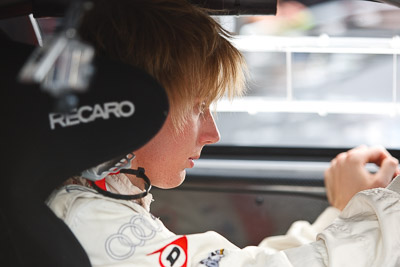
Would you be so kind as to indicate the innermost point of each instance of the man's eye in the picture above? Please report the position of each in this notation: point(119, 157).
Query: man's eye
point(202, 107)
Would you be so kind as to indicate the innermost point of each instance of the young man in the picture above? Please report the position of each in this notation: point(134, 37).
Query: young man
point(190, 55)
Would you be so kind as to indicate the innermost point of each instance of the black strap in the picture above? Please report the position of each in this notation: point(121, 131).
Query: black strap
point(138, 173)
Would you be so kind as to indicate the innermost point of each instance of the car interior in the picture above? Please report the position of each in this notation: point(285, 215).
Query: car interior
point(319, 85)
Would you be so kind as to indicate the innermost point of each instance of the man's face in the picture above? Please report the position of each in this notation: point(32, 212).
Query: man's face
point(170, 152)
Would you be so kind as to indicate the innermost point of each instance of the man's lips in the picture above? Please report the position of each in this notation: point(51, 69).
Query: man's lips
point(192, 159)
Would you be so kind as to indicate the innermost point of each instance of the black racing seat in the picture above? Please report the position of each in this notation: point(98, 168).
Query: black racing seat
point(41, 149)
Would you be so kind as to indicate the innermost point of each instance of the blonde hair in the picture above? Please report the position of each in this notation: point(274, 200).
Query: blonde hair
point(177, 43)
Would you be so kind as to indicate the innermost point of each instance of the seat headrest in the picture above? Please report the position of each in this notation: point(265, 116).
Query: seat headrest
point(123, 109)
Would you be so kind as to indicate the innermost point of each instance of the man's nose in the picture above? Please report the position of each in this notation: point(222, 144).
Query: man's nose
point(209, 130)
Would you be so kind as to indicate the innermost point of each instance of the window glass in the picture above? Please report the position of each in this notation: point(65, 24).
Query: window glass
point(267, 74)
point(324, 75)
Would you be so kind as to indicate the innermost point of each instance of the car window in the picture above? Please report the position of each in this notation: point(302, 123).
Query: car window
point(324, 75)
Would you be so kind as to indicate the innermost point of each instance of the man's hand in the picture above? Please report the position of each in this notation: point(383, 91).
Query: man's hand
point(347, 174)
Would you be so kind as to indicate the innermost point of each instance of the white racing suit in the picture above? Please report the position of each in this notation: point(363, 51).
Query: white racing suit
point(124, 233)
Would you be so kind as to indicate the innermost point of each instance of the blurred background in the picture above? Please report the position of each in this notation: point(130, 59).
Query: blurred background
point(321, 74)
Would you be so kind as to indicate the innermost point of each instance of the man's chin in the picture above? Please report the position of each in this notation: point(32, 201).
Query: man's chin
point(173, 183)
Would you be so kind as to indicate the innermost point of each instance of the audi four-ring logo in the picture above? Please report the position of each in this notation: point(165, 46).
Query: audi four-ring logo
point(134, 234)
